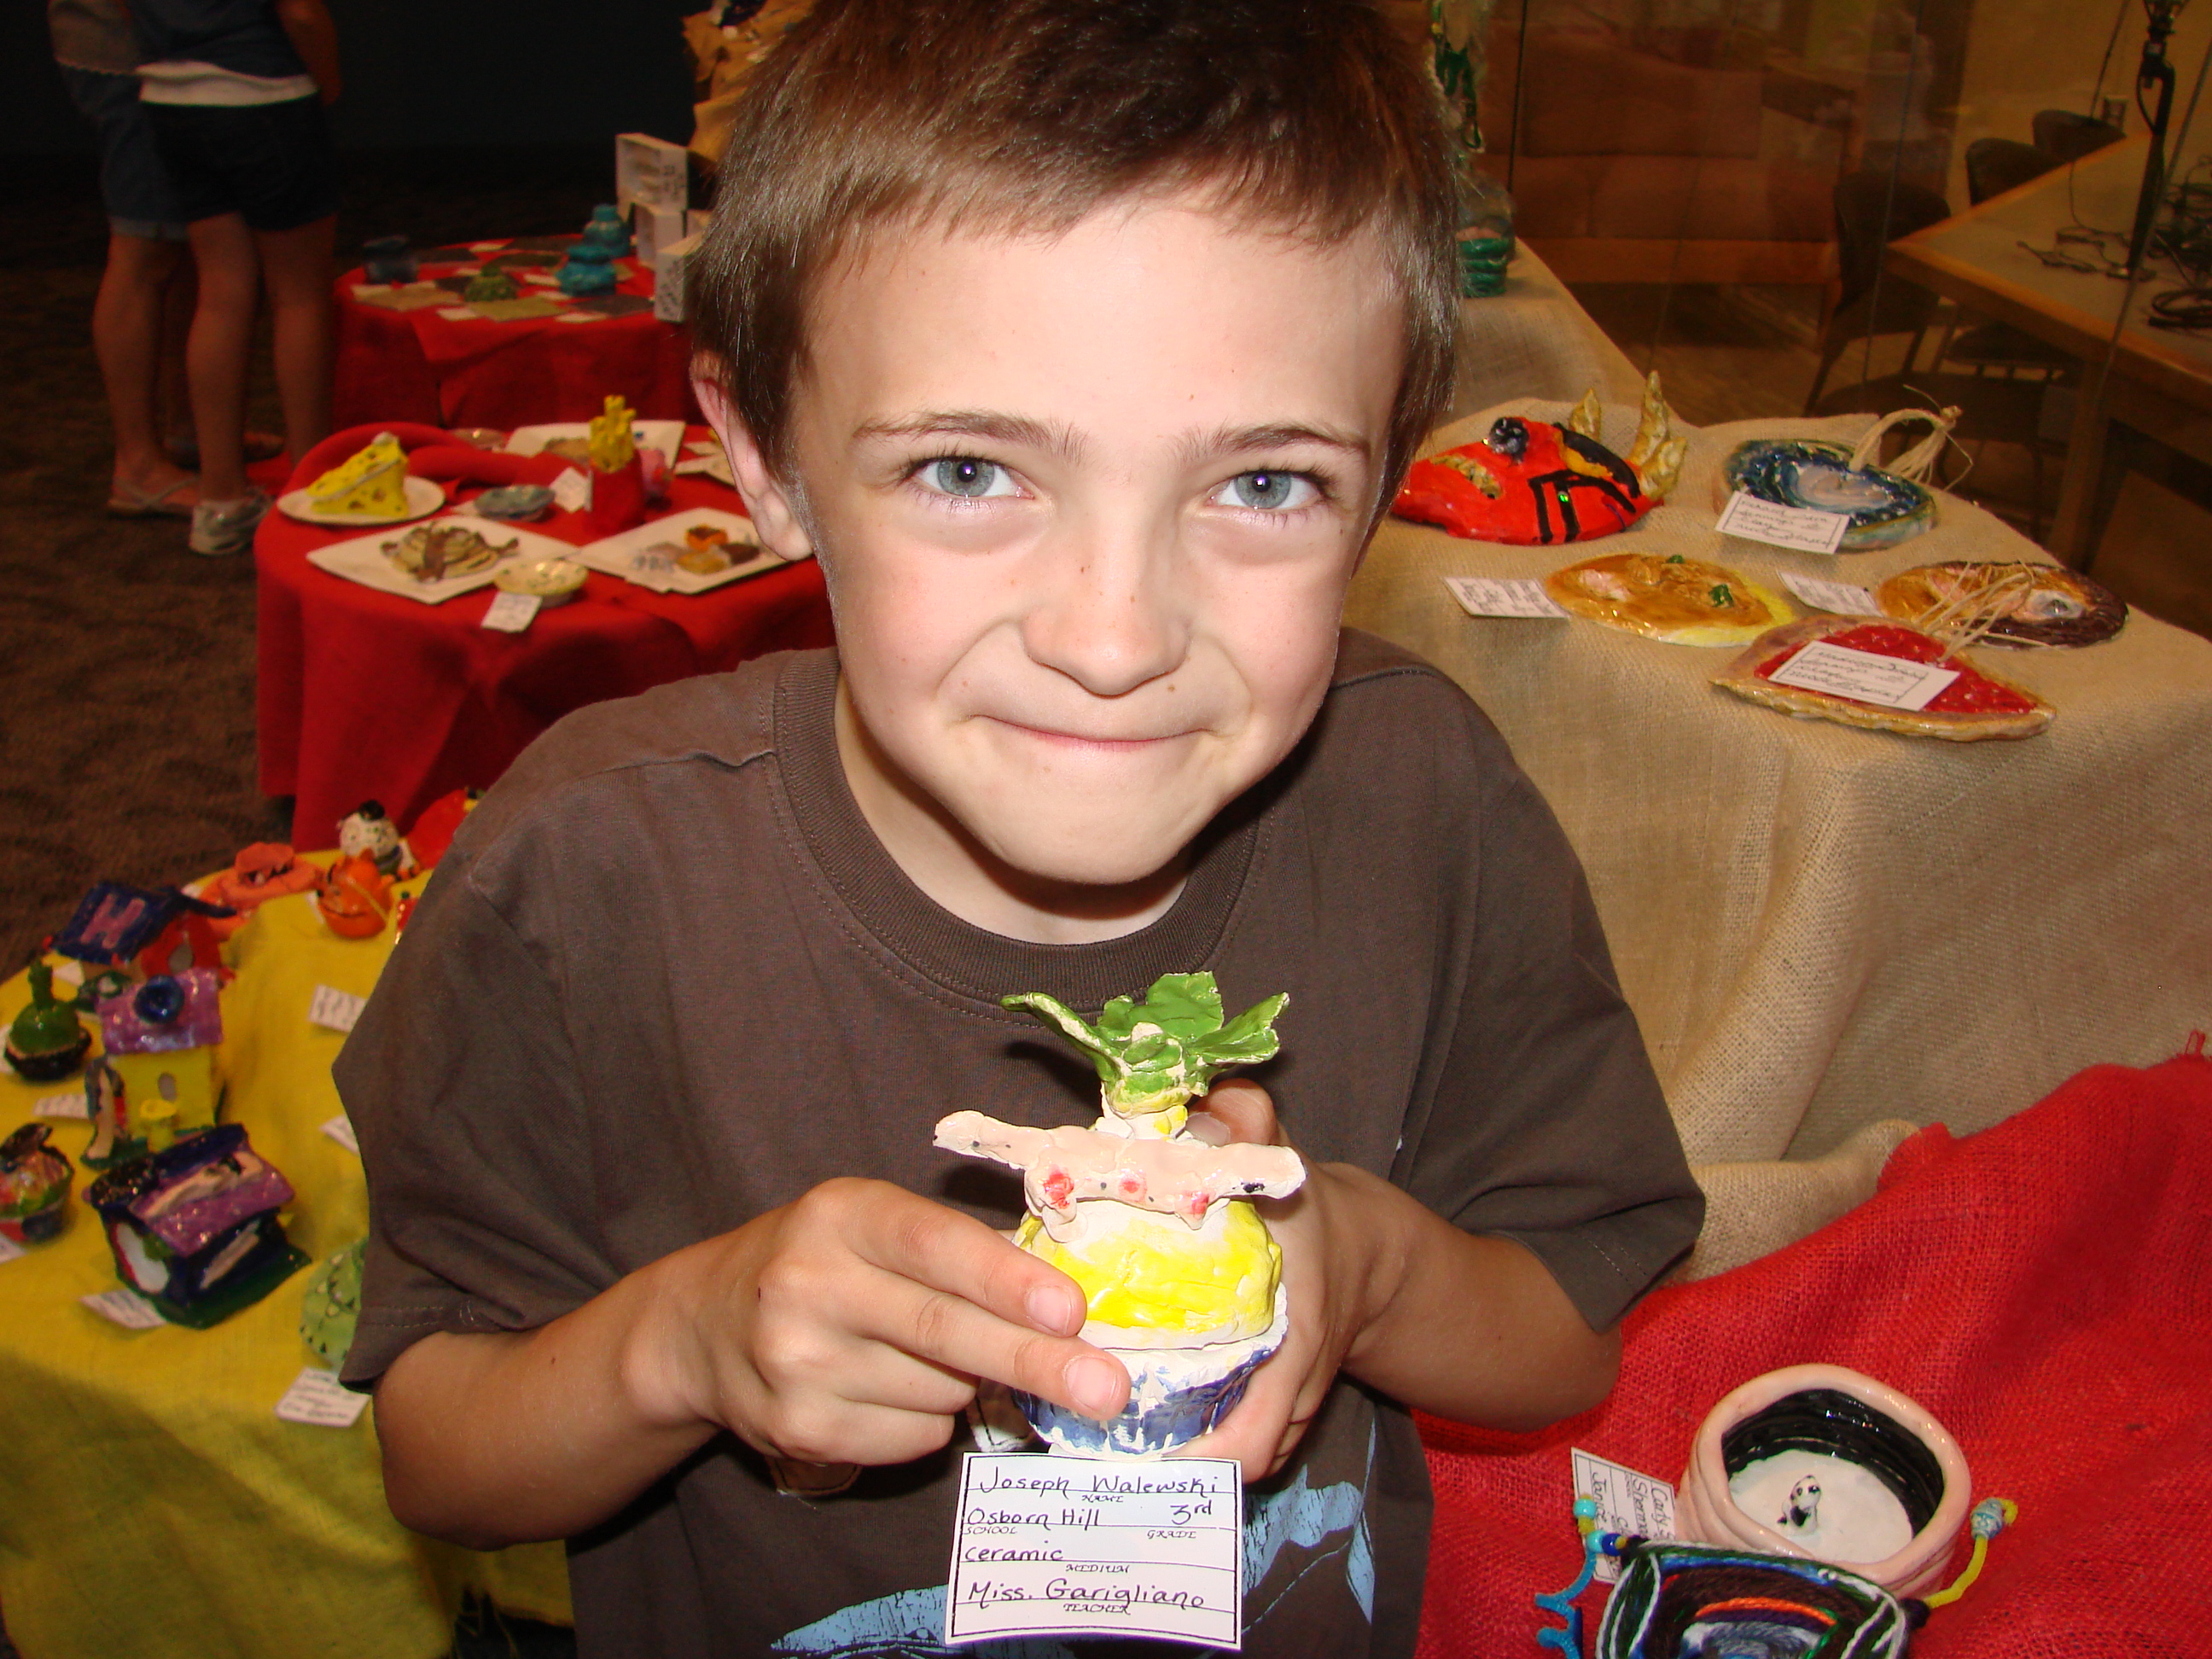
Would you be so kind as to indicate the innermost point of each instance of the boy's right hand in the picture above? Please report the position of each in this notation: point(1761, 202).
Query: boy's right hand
point(850, 1327)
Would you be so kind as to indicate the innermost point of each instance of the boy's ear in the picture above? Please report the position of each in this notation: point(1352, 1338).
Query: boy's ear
point(767, 503)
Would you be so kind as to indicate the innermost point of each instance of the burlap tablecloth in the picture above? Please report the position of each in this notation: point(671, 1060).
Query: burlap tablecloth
point(1533, 340)
point(1828, 934)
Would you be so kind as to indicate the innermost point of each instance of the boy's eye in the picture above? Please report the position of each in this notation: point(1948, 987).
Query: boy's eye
point(1270, 492)
point(966, 476)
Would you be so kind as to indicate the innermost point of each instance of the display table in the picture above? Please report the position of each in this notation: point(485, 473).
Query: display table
point(368, 695)
point(1821, 928)
point(440, 371)
point(1534, 341)
point(156, 1506)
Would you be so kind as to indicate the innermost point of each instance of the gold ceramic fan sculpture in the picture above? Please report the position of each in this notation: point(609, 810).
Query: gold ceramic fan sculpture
point(1680, 600)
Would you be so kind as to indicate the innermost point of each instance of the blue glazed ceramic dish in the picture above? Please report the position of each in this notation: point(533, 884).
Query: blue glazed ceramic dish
point(1811, 473)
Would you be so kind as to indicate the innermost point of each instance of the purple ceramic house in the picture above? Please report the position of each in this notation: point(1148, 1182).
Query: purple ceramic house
point(160, 1039)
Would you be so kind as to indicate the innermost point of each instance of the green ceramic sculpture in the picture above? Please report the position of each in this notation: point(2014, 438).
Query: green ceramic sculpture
point(44, 1042)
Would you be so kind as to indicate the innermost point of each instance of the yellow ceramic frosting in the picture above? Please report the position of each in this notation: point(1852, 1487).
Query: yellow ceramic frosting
point(1143, 1271)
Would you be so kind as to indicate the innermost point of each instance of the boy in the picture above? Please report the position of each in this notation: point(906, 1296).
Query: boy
point(1084, 345)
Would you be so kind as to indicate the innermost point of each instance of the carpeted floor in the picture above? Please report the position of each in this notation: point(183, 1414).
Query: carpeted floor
point(126, 664)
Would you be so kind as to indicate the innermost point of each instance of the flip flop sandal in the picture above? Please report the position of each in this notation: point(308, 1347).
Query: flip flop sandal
point(128, 502)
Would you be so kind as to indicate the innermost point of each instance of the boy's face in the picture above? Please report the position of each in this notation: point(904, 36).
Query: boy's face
point(1088, 506)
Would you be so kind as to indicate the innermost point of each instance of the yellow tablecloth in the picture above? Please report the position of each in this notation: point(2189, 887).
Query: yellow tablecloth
point(1830, 935)
point(151, 1503)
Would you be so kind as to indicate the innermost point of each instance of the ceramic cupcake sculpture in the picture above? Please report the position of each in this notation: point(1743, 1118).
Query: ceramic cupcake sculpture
point(1182, 1279)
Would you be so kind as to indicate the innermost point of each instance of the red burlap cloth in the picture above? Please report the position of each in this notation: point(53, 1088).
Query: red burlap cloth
point(368, 695)
point(2041, 1287)
point(417, 366)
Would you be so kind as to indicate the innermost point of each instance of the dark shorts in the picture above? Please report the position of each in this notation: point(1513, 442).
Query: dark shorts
point(134, 185)
point(272, 163)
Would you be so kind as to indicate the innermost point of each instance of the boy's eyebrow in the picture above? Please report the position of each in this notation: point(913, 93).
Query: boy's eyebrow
point(1243, 440)
point(1018, 429)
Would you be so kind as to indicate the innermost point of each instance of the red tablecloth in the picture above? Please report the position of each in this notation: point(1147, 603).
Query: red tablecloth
point(368, 695)
point(2040, 1287)
point(418, 365)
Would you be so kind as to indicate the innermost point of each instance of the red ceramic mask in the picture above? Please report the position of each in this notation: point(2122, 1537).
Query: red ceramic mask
point(1528, 481)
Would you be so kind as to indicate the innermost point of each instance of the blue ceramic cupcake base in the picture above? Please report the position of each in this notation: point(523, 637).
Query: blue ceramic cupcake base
point(1175, 1394)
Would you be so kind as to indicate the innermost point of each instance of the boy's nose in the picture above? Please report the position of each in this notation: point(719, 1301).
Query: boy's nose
point(1107, 616)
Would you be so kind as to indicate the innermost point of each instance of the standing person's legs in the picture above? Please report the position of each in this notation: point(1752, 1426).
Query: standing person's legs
point(126, 335)
point(216, 354)
point(297, 265)
point(145, 256)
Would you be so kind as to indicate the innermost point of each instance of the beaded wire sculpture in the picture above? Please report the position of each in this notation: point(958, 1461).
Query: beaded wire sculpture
point(1691, 1600)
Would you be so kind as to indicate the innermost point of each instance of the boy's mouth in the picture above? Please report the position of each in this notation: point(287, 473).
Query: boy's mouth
point(1083, 741)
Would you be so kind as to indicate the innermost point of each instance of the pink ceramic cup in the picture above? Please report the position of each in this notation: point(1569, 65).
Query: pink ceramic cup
point(1706, 1514)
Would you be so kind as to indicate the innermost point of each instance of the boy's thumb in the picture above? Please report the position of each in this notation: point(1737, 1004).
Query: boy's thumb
point(1238, 1110)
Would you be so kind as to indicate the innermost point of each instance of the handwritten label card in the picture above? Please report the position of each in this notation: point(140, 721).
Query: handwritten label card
point(317, 1398)
point(1863, 677)
point(1845, 599)
point(340, 1129)
point(510, 613)
point(1070, 1546)
point(1807, 528)
point(572, 491)
point(1497, 596)
point(125, 1308)
point(68, 1104)
point(9, 1249)
point(1627, 1502)
point(337, 1010)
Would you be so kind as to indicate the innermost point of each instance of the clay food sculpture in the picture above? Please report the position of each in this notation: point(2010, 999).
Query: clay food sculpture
point(194, 1228)
point(1182, 1279)
point(355, 900)
point(1683, 601)
point(370, 483)
point(490, 286)
point(1975, 705)
point(44, 1042)
point(432, 552)
point(2014, 605)
point(368, 832)
point(1885, 506)
point(34, 1186)
point(266, 870)
point(590, 266)
point(1531, 482)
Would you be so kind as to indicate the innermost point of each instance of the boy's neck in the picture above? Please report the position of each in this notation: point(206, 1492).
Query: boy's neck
point(954, 871)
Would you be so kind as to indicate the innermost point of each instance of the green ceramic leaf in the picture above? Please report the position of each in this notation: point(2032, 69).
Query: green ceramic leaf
point(1182, 1043)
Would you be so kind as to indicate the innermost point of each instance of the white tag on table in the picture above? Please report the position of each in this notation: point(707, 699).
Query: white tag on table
point(1639, 1505)
point(510, 613)
point(363, 290)
point(125, 1308)
point(457, 313)
point(337, 1010)
point(1845, 599)
point(572, 491)
point(1075, 1546)
point(71, 972)
point(578, 316)
point(70, 1103)
point(1863, 677)
point(317, 1398)
point(486, 248)
point(1807, 528)
point(9, 1249)
point(1496, 596)
point(340, 1129)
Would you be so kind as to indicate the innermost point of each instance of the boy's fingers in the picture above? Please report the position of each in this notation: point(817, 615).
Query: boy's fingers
point(947, 1251)
point(951, 1330)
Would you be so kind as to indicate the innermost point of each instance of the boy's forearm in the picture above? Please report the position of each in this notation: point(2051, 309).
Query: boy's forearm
point(498, 1438)
point(1468, 1327)
point(308, 25)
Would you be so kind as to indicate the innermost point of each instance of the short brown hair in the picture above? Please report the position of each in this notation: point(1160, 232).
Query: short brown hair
point(1309, 116)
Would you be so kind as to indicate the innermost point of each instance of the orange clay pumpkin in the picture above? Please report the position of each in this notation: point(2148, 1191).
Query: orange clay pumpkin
point(356, 898)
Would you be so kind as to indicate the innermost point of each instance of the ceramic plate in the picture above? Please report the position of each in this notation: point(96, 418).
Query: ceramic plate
point(617, 554)
point(424, 497)
point(363, 559)
point(666, 436)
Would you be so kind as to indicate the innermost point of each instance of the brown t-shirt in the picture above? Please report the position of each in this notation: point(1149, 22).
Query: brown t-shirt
point(667, 979)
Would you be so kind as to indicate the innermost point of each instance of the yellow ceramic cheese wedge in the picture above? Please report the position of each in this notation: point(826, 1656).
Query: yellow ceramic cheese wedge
point(372, 482)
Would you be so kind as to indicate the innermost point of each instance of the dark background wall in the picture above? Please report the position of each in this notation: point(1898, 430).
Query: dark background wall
point(423, 73)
